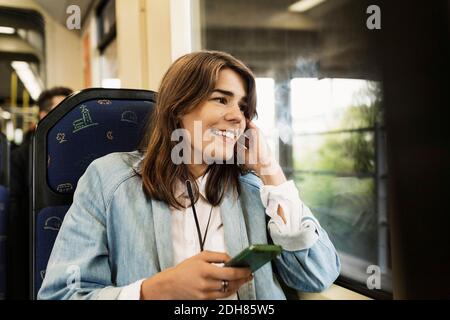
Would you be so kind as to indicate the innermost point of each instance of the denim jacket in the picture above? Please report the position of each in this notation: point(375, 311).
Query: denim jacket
point(113, 235)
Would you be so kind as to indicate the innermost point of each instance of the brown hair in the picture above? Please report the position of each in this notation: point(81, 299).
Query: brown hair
point(188, 82)
point(45, 98)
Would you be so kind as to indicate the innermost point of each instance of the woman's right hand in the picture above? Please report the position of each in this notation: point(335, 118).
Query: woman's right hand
point(196, 278)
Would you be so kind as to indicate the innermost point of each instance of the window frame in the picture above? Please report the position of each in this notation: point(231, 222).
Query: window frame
point(353, 285)
point(104, 39)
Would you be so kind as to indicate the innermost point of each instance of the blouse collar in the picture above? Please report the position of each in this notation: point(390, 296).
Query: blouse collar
point(201, 182)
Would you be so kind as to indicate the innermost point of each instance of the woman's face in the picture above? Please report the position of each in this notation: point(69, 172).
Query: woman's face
point(216, 125)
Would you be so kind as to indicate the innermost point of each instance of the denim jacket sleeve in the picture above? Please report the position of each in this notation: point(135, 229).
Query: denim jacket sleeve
point(312, 269)
point(309, 261)
point(78, 267)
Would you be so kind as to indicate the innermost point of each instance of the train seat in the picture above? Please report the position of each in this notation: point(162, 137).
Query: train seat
point(85, 126)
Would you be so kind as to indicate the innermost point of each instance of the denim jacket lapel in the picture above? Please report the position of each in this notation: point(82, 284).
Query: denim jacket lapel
point(163, 233)
point(235, 233)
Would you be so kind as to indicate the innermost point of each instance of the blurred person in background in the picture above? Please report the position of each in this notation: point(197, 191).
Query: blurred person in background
point(18, 228)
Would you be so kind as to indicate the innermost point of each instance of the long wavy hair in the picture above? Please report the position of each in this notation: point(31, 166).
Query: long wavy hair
point(188, 82)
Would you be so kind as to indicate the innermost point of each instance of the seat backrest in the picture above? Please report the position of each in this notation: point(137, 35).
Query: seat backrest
point(4, 196)
point(85, 126)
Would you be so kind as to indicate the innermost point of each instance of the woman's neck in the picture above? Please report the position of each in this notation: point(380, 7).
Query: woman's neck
point(197, 170)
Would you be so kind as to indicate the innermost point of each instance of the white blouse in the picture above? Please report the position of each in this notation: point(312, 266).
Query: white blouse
point(185, 236)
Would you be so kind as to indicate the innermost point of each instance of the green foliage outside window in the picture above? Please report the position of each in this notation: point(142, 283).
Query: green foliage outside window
point(336, 178)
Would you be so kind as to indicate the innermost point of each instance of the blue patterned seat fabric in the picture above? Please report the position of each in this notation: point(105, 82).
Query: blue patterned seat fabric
point(89, 131)
point(3, 223)
point(48, 223)
point(4, 200)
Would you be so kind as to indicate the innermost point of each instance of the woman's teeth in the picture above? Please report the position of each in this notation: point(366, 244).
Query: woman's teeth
point(222, 133)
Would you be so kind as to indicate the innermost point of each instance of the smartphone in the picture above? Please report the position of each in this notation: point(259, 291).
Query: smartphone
point(255, 256)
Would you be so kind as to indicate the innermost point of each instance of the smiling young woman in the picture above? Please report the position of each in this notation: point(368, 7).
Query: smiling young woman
point(214, 88)
point(132, 222)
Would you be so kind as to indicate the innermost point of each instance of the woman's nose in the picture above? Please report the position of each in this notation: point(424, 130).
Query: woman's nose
point(234, 114)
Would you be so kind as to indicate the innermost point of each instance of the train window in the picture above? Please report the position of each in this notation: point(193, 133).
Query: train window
point(106, 23)
point(265, 92)
point(320, 103)
point(107, 44)
point(109, 67)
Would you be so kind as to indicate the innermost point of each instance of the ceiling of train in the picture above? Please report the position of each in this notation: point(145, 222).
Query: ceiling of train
point(14, 47)
point(329, 40)
point(57, 8)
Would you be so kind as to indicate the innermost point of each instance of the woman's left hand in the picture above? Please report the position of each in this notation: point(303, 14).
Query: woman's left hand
point(258, 156)
point(257, 153)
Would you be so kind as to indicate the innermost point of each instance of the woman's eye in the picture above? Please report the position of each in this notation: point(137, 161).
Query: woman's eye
point(221, 100)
